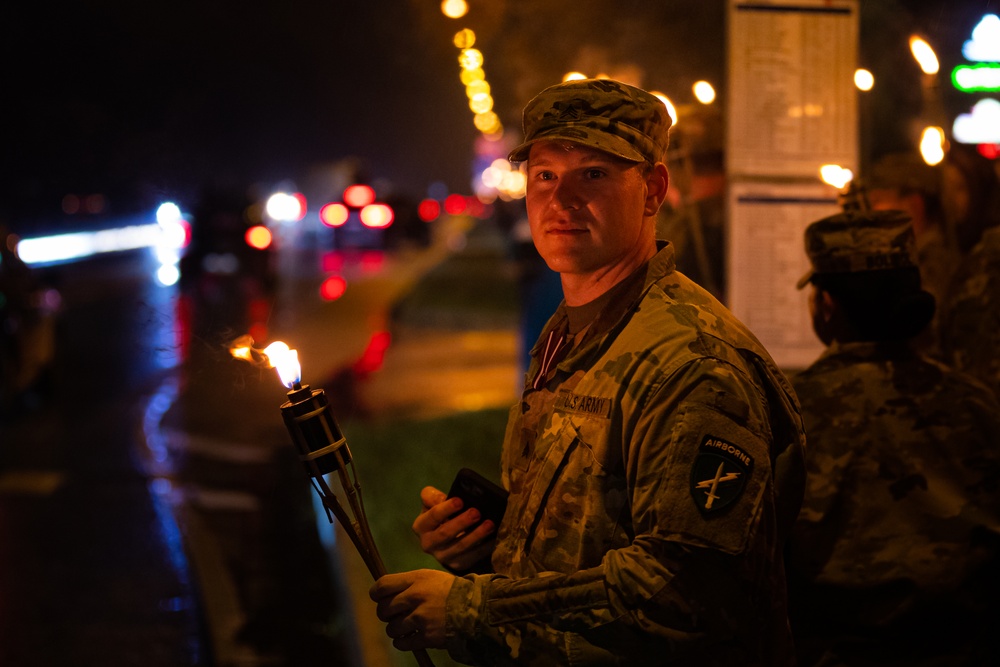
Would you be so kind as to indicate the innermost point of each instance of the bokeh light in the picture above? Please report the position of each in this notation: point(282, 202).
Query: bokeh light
point(454, 9)
point(464, 39)
point(377, 216)
point(333, 288)
point(924, 55)
point(429, 210)
point(932, 144)
point(358, 196)
point(286, 207)
point(704, 92)
point(864, 80)
point(455, 204)
point(334, 214)
point(258, 237)
point(835, 175)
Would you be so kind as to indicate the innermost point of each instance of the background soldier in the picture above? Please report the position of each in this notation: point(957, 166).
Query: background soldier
point(893, 559)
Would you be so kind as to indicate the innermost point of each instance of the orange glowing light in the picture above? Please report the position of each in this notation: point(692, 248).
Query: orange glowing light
point(258, 237)
point(285, 361)
point(377, 216)
point(277, 355)
point(454, 9)
point(334, 214)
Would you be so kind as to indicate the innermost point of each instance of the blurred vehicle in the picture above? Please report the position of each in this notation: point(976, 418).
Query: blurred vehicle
point(226, 243)
point(27, 331)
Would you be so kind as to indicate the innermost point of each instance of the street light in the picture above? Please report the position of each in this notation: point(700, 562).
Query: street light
point(932, 143)
point(835, 175)
point(864, 80)
point(932, 139)
point(924, 55)
point(704, 92)
point(454, 9)
point(285, 207)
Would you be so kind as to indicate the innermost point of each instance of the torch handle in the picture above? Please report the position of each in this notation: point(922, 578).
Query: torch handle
point(323, 449)
point(423, 659)
point(365, 546)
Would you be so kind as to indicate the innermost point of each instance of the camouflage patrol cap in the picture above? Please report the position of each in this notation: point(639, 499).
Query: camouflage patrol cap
point(859, 241)
point(600, 113)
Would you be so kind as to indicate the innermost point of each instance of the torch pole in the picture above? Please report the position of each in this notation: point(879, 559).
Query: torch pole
point(323, 450)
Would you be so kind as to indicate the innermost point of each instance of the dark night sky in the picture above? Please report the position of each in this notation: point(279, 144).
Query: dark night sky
point(143, 100)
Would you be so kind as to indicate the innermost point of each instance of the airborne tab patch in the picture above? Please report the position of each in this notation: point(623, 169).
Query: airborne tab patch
point(719, 474)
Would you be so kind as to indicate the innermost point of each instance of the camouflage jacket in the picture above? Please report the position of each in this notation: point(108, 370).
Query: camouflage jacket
point(644, 524)
point(969, 329)
point(891, 552)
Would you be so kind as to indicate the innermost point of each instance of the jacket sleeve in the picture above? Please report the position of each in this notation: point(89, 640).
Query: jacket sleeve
point(701, 575)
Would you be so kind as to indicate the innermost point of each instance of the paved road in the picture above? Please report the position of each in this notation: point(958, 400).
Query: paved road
point(152, 511)
point(93, 569)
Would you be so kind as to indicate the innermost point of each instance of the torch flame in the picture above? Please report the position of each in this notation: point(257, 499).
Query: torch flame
point(277, 355)
point(285, 361)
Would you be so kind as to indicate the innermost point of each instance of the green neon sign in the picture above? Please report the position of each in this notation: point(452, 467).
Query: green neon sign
point(982, 77)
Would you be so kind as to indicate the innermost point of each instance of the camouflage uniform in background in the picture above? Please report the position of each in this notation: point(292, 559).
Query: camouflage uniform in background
point(893, 559)
point(894, 556)
point(970, 321)
point(646, 520)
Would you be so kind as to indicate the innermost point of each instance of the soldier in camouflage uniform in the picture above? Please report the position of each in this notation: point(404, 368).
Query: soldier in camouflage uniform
point(655, 461)
point(893, 559)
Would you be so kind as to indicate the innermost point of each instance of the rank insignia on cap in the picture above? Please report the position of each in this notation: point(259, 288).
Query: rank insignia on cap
point(719, 474)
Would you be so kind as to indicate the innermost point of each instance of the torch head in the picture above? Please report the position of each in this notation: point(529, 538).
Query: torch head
point(321, 445)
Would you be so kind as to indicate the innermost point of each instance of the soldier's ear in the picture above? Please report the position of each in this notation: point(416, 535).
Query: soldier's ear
point(656, 188)
point(826, 304)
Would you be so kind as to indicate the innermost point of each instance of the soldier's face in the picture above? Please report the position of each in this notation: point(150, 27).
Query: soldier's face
point(588, 210)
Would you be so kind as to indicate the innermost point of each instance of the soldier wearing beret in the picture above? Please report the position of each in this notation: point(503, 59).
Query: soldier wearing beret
point(655, 459)
point(893, 558)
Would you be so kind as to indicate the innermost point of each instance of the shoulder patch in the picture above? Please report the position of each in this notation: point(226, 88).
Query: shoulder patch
point(719, 474)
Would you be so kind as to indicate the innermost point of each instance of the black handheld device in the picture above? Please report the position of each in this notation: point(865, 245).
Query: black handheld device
point(479, 492)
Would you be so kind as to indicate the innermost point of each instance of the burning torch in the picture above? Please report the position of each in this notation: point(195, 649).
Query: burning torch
point(323, 451)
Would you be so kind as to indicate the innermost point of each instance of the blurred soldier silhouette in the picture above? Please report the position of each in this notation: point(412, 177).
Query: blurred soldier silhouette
point(904, 182)
point(969, 329)
point(893, 559)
